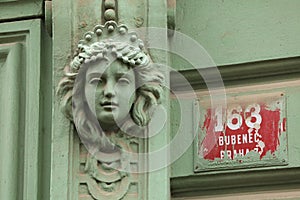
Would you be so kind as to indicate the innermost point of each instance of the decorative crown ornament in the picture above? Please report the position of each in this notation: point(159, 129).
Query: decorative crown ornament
point(112, 38)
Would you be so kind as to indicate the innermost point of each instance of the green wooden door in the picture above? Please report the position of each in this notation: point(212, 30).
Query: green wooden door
point(23, 101)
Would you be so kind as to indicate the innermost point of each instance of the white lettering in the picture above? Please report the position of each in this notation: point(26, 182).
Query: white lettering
point(250, 138)
point(234, 119)
point(229, 154)
point(239, 139)
point(256, 137)
point(227, 140)
point(245, 138)
point(254, 114)
point(221, 141)
point(233, 139)
point(226, 154)
point(239, 152)
point(219, 117)
point(222, 153)
point(232, 154)
point(247, 151)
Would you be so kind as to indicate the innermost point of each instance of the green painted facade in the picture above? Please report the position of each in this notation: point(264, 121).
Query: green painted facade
point(241, 31)
point(254, 44)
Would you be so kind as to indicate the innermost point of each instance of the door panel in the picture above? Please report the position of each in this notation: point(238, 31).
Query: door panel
point(10, 80)
point(19, 109)
point(16, 9)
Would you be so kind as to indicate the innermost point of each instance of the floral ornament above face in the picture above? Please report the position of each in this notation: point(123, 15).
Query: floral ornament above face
point(110, 83)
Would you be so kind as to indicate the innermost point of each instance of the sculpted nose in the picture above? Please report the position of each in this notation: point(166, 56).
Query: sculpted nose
point(109, 90)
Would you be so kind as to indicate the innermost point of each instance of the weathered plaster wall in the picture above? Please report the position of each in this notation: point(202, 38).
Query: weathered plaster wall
point(238, 31)
point(233, 32)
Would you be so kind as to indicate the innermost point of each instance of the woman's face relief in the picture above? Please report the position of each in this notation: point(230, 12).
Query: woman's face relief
point(110, 91)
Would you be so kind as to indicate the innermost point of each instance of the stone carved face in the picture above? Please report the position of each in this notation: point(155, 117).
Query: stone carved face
point(95, 94)
point(112, 89)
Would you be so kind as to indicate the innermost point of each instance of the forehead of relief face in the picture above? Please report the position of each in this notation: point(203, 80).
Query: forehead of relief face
point(104, 70)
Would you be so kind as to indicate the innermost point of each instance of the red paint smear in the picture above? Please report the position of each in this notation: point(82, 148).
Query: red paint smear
point(210, 143)
point(284, 124)
point(269, 131)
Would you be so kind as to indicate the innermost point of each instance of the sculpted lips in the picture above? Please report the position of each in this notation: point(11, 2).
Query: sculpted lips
point(107, 105)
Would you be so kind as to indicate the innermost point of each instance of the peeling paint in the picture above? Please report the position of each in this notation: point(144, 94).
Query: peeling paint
point(244, 134)
point(262, 139)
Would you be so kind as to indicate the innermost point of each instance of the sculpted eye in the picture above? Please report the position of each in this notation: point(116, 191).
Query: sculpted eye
point(124, 81)
point(95, 81)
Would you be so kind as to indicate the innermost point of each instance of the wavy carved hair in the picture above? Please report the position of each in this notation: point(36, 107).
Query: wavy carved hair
point(149, 81)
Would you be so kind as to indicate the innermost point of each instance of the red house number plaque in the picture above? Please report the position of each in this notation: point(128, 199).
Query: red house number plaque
point(249, 131)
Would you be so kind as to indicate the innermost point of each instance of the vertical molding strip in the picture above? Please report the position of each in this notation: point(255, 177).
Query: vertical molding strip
point(158, 181)
point(61, 132)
